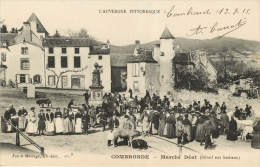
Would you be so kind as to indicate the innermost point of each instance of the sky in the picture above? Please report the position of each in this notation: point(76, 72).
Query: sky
point(124, 28)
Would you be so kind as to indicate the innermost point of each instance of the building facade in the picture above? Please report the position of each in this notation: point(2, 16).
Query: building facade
point(22, 54)
point(70, 62)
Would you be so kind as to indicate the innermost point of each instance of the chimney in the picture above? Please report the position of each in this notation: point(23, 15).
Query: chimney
point(33, 26)
point(137, 44)
point(27, 31)
point(108, 43)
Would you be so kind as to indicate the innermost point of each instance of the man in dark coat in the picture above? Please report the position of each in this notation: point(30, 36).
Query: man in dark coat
point(86, 95)
point(105, 106)
point(232, 130)
point(223, 107)
point(237, 113)
point(85, 122)
point(103, 119)
point(70, 103)
point(113, 123)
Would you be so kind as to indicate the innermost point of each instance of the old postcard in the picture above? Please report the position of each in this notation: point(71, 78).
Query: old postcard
point(130, 83)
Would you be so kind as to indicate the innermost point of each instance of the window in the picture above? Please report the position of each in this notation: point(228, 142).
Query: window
point(51, 80)
point(64, 62)
point(3, 57)
point(135, 70)
point(76, 62)
point(50, 50)
point(37, 79)
point(63, 50)
point(51, 61)
point(24, 64)
point(136, 86)
point(24, 50)
point(76, 50)
point(100, 57)
point(22, 78)
point(151, 86)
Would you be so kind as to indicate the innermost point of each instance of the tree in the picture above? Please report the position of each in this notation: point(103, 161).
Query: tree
point(4, 29)
point(82, 33)
point(56, 34)
point(63, 72)
point(14, 30)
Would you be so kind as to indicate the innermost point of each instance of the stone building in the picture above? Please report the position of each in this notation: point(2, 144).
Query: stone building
point(23, 54)
point(70, 62)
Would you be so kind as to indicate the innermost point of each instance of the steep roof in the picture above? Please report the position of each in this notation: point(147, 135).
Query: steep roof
point(66, 42)
point(144, 56)
point(7, 37)
point(166, 34)
point(40, 27)
point(95, 50)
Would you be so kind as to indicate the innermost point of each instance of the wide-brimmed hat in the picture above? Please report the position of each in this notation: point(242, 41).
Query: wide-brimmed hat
point(126, 116)
point(32, 108)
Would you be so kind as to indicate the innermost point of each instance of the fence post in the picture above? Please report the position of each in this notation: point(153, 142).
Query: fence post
point(42, 151)
point(17, 138)
point(180, 149)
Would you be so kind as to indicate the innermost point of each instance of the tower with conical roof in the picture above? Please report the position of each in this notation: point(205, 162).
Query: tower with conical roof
point(167, 53)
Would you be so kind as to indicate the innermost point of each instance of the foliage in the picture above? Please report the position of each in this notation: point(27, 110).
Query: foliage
point(191, 78)
point(82, 33)
point(4, 29)
point(14, 30)
point(56, 34)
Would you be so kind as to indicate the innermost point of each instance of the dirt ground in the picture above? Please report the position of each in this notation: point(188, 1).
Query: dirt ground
point(92, 149)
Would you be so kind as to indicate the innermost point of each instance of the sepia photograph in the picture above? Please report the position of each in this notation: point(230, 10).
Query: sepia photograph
point(130, 83)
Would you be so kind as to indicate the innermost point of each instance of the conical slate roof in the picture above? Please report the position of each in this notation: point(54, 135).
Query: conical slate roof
point(40, 27)
point(166, 34)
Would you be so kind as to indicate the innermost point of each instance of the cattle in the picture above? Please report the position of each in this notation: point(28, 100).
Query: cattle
point(125, 134)
point(248, 130)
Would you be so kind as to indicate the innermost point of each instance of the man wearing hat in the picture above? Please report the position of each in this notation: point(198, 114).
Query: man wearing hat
point(103, 119)
point(237, 113)
point(247, 110)
point(22, 113)
point(193, 125)
point(223, 107)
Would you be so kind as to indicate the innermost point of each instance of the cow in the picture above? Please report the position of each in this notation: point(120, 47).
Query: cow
point(247, 130)
point(125, 134)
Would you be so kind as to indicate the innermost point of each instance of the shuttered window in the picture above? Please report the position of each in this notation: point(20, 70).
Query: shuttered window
point(135, 68)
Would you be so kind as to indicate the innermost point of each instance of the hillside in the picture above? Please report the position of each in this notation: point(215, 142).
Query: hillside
point(211, 45)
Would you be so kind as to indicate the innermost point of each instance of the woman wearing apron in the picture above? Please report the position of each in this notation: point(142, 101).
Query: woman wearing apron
point(58, 121)
point(67, 124)
point(32, 123)
point(145, 121)
point(50, 130)
point(22, 113)
point(78, 123)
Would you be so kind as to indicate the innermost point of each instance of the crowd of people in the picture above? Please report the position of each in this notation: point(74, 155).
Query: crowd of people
point(201, 122)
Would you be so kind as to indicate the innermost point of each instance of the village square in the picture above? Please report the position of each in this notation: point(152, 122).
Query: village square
point(65, 96)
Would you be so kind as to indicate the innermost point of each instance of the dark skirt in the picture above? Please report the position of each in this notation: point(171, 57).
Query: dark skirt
point(215, 133)
point(232, 135)
point(161, 128)
point(199, 133)
point(255, 143)
point(41, 125)
point(170, 131)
